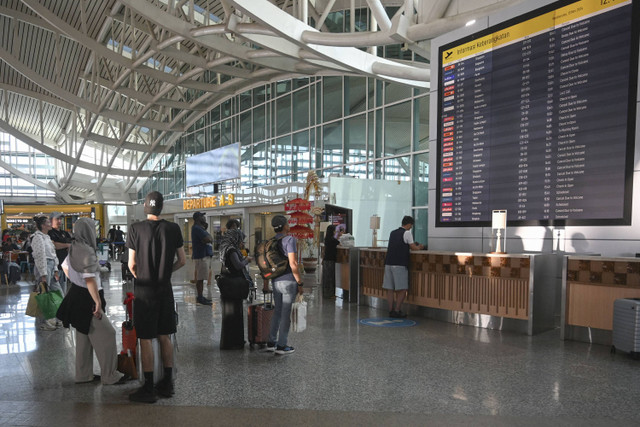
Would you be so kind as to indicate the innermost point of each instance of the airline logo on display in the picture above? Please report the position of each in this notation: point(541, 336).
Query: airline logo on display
point(448, 129)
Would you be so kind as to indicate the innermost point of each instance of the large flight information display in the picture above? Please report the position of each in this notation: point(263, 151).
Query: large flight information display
point(537, 116)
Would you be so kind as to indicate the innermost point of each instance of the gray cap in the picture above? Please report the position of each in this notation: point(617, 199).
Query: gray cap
point(278, 222)
point(53, 215)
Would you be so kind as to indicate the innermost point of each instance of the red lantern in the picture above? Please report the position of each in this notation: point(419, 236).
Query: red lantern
point(297, 205)
point(301, 232)
point(300, 218)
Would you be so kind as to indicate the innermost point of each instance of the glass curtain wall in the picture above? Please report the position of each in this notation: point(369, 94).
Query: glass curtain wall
point(18, 155)
point(335, 125)
point(343, 125)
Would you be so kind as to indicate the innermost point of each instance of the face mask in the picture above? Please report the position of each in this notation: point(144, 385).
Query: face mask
point(205, 225)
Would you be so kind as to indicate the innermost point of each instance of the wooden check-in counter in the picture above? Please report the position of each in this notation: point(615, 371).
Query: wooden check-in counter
point(591, 284)
point(497, 291)
point(347, 273)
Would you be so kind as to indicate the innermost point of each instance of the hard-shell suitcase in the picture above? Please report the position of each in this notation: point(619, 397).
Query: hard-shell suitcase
point(232, 326)
point(626, 326)
point(259, 321)
point(127, 357)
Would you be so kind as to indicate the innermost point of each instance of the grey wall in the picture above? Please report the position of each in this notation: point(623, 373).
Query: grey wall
point(608, 241)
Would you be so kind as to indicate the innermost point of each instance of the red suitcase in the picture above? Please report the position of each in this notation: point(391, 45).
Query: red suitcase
point(259, 322)
point(127, 357)
point(129, 337)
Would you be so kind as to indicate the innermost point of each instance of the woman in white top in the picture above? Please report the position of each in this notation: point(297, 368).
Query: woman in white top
point(46, 262)
point(83, 308)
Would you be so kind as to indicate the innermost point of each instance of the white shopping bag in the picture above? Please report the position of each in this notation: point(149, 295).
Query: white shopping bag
point(299, 314)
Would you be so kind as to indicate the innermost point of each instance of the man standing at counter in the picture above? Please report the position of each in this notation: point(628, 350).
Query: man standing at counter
point(396, 266)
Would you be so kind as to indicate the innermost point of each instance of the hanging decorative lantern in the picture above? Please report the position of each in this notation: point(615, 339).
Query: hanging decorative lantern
point(300, 218)
point(301, 232)
point(297, 205)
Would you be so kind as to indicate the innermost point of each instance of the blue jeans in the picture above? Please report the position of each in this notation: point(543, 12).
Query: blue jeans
point(284, 293)
point(52, 284)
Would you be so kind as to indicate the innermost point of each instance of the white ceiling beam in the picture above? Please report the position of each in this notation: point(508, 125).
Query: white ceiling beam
point(292, 29)
point(63, 157)
point(116, 143)
point(377, 9)
point(49, 86)
point(207, 36)
point(57, 102)
point(98, 48)
point(62, 194)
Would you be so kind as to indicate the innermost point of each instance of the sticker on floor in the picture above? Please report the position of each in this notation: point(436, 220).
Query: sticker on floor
point(387, 322)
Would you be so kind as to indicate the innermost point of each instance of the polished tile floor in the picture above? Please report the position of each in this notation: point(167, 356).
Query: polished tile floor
point(342, 373)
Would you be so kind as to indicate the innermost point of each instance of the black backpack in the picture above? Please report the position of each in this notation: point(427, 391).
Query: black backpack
point(271, 259)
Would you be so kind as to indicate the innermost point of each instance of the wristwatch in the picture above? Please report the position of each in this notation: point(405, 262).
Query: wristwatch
point(300, 284)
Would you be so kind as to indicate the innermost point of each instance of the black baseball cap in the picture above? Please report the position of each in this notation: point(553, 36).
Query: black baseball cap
point(197, 215)
point(278, 222)
point(153, 203)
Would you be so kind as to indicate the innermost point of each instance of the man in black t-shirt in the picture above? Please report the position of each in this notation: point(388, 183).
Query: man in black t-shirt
point(111, 235)
point(61, 240)
point(153, 246)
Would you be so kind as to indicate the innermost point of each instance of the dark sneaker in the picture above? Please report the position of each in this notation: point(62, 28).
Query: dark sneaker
point(143, 395)
point(271, 346)
point(393, 314)
point(284, 350)
point(203, 301)
point(400, 315)
point(165, 388)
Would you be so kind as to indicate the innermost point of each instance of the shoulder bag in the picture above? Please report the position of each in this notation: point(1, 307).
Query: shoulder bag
point(232, 285)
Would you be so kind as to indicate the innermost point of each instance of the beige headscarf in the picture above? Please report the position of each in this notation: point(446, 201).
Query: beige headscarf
point(82, 253)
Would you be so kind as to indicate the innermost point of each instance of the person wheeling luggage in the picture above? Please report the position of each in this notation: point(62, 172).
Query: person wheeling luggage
point(232, 330)
point(84, 308)
point(153, 245)
point(285, 289)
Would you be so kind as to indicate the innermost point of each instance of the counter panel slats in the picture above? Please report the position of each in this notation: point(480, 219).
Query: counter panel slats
point(483, 284)
point(592, 286)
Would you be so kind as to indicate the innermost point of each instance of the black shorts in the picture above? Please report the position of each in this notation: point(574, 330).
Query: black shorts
point(153, 312)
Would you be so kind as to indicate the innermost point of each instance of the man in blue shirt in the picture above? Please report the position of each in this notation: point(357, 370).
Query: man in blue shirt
point(285, 289)
point(202, 260)
point(396, 266)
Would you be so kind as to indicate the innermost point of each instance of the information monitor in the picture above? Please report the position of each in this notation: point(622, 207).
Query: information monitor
point(537, 117)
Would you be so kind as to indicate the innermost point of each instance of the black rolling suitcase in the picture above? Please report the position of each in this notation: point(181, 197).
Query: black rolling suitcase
point(232, 328)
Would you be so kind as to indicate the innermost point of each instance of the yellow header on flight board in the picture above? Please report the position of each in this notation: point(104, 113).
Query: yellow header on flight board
point(532, 26)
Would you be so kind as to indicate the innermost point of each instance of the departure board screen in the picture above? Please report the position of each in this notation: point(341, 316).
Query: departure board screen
point(537, 117)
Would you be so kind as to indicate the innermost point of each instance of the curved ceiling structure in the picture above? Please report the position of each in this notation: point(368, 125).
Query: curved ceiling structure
point(106, 87)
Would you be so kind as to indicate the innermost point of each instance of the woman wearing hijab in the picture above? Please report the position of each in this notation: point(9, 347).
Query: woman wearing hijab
point(46, 263)
point(83, 308)
point(232, 330)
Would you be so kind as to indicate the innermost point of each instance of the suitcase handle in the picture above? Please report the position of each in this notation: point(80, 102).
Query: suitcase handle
point(264, 298)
